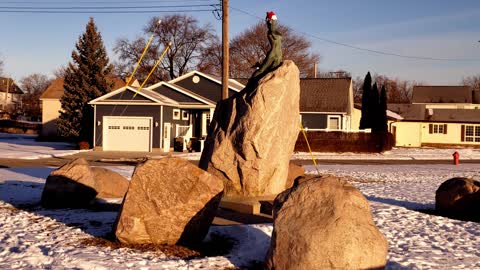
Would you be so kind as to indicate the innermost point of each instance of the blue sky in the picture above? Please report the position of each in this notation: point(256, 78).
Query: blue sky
point(434, 29)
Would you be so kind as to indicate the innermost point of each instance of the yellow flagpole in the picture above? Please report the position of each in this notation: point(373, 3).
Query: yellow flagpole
point(140, 60)
point(154, 67)
point(309, 149)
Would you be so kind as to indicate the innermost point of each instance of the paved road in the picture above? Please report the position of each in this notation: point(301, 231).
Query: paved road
point(100, 158)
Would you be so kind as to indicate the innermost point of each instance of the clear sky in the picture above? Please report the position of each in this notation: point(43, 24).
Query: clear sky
point(440, 29)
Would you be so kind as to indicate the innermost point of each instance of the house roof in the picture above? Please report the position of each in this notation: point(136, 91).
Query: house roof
point(232, 83)
point(419, 112)
point(55, 89)
point(182, 90)
point(324, 94)
point(148, 94)
point(442, 94)
point(11, 85)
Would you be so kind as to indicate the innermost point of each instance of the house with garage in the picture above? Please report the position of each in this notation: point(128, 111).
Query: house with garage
point(439, 116)
point(149, 119)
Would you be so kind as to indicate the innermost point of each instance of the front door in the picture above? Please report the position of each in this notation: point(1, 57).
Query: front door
point(166, 137)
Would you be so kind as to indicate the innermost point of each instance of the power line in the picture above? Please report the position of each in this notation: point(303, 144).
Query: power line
point(103, 12)
point(98, 2)
point(105, 7)
point(366, 49)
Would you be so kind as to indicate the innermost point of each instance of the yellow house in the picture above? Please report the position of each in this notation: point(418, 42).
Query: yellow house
point(51, 106)
point(439, 116)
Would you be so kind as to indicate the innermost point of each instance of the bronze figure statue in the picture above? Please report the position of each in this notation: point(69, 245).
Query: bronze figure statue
point(273, 58)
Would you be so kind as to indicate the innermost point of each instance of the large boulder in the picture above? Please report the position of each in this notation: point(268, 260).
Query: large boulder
point(324, 223)
point(458, 197)
point(253, 133)
point(70, 186)
point(169, 201)
point(109, 184)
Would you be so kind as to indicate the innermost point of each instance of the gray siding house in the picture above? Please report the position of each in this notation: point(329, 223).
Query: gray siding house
point(149, 119)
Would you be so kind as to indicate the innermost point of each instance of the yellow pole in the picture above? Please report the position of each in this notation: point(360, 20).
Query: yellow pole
point(154, 67)
point(140, 60)
point(309, 149)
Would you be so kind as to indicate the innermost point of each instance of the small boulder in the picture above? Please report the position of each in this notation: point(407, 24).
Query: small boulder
point(324, 223)
point(109, 184)
point(458, 196)
point(70, 186)
point(169, 201)
point(294, 171)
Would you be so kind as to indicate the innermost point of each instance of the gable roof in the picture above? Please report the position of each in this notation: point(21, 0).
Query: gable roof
point(182, 91)
point(149, 95)
point(11, 85)
point(232, 83)
point(325, 94)
point(419, 112)
point(442, 94)
point(55, 90)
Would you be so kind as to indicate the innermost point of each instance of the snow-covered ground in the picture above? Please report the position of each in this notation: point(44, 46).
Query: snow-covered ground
point(25, 147)
point(35, 238)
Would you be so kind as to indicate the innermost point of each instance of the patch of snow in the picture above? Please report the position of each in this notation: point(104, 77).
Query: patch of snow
point(35, 238)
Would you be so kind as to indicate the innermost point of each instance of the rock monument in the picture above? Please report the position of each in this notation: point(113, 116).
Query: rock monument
point(324, 223)
point(169, 201)
point(253, 133)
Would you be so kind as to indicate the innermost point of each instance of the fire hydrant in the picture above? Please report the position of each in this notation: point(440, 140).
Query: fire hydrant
point(456, 158)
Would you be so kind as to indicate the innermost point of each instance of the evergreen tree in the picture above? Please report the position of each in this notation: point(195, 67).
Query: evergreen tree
point(374, 107)
point(367, 86)
point(85, 80)
point(383, 126)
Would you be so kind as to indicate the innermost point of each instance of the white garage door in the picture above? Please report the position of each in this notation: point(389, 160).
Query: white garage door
point(121, 133)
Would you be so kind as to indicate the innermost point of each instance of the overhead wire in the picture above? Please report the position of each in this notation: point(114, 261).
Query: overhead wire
point(414, 57)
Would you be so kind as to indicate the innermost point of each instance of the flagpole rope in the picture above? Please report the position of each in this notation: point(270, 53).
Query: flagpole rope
point(309, 149)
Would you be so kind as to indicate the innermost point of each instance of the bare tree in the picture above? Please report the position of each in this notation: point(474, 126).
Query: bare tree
point(33, 85)
point(472, 81)
point(251, 46)
point(1, 67)
point(188, 40)
point(398, 91)
point(60, 72)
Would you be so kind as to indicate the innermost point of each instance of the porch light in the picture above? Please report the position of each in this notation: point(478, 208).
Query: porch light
point(99, 123)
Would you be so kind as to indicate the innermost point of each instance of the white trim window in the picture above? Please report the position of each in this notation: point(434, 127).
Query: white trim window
point(184, 115)
point(334, 122)
point(472, 133)
point(176, 114)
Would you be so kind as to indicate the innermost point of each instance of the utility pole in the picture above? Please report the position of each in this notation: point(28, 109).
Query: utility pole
point(225, 51)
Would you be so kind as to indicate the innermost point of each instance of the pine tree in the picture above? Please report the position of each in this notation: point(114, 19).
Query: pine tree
point(85, 80)
point(383, 126)
point(374, 107)
point(367, 86)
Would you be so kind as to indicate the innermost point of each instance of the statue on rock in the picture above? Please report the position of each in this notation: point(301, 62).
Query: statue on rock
point(252, 134)
point(274, 55)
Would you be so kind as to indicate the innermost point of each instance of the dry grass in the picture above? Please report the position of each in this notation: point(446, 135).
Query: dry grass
point(219, 245)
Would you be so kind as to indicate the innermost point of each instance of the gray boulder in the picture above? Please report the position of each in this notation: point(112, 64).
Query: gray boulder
point(458, 196)
point(169, 201)
point(70, 186)
point(109, 184)
point(253, 133)
point(324, 223)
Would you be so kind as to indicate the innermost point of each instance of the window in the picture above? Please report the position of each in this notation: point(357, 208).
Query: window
point(437, 128)
point(334, 122)
point(128, 127)
point(176, 114)
point(207, 116)
point(143, 128)
point(470, 133)
point(184, 115)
